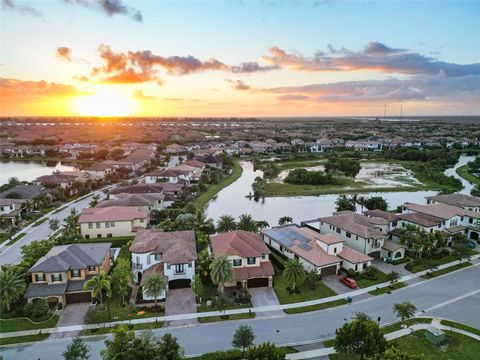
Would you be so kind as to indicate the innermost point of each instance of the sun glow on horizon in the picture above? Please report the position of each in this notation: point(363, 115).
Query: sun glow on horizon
point(104, 103)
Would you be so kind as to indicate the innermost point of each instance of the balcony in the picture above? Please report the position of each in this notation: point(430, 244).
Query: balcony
point(137, 266)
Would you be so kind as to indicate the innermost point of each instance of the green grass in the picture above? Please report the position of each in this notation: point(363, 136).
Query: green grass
point(294, 164)
point(459, 346)
point(60, 210)
point(462, 171)
point(363, 280)
point(461, 326)
point(23, 339)
point(280, 286)
point(316, 307)
point(387, 289)
point(16, 238)
point(39, 222)
point(207, 319)
point(418, 265)
point(398, 325)
point(446, 270)
point(204, 198)
point(4, 236)
point(109, 329)
point(20, 324)
point(116, 241)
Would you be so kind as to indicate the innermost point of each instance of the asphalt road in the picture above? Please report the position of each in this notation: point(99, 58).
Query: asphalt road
point(450, 294)
point(12, 254)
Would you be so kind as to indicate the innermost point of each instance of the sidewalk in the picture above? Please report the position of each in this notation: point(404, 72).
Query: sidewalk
point(353, 294)
point(390, 336)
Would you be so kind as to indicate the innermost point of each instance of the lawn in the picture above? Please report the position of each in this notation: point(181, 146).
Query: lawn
point(207, 319)
point(23, 323)
point(4, 236)
point(23, 339)
point(316, 307)
point(204, 198)
point(388, 289)
point(447, 270)
point(135, 327)
point(461, 326)
point(418, 265)
point(280, 286)
point(462, 171)
point(16, 238)
point(370, 277)
point(398, 325)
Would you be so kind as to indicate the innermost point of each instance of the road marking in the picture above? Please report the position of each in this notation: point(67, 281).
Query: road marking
point(458, 298)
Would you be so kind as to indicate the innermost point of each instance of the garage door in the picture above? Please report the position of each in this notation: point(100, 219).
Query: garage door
point(375, 254)
point(179, 284)
point(258, 282)
point(330, 270)
point(78, 297)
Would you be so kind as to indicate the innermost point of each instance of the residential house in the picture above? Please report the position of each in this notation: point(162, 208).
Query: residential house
point(165, 188)
point(143, 202)
point(62, 179)
point(173, 176)
point(10, 209)
point(100, 170)
point(261, 147)
point(249, 257)
point(466, 202)
point(210, 161)
point(363, 145)
point(321, 145)
point(169, 254)
point(112, 221)
point(175, 149)
point(59, 276)
point(23, 191)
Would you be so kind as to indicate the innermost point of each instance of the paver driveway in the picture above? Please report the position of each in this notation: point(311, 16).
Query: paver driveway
point(180, 301)
point(265, 296)
point(73, 314)
point(333, 282)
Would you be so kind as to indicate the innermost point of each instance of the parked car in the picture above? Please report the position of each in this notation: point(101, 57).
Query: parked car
point(471, 244)
point(351, 283)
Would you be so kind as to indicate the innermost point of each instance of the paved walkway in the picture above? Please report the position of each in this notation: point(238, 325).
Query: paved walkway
point(355, 294)
point(312, 354)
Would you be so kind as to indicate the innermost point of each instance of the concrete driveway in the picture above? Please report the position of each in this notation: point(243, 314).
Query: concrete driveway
point(72, 314)
point(333, 282)
point(180, 301)
point(388, 268)
point(265, 296)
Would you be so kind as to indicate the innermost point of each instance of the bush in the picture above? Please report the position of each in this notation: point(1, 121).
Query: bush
point(243, 296)
point(222, 355)
point(400, 261)
point(351, 273)
point(36, 309)
point(96, 314)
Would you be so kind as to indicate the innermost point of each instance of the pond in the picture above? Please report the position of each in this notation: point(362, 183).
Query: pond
point(28, 171)
point(231, 200)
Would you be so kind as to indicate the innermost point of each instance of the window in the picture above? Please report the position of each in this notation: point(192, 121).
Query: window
point(237, 262)
point(97, 225)
point(364, 265)
point(179, 268)
point(356, 267)
point(109, 235)
point(394, 223)
point(75, 273)
point(338, 231)
point(91, 268)
point(250, 260)
point(334, 250)
point(190, 263)
point(142, 221)
point(39, 277)
point(263, 256)
point(356, 237)
point(87, 236)
point(148, 259)
point(56, 277)
point(107, 224)
point(112, 223)
point(348, 235)
point(158, 257)
point(90, 225)
point(470, 220)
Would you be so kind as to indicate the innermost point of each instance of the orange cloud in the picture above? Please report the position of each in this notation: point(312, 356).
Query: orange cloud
point(64, 53)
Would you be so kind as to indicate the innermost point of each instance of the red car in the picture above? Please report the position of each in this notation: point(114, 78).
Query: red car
point(351, 283)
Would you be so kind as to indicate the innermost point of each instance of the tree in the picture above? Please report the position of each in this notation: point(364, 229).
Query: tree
point(98, 283)
point(77, 350)
point(344, 203)
point(169, 349)
point(264, 351)
point(404, 310)
point(375, 202)
point(54, 224)
point(203, 224)
point(120, 345)
point(361, 201)
point(34, 251)
point(246, 223)
point(360, 338)
point(262, 224)
point(221, 271)
point(393, 277)
point(121, 277)
point(12, 285)
point(116, 153)
point(36, 309)
point(94, 201)
point(294, 273)
point(284, 220)
point(154, 286)
point(243, 337)
point(460, 247)
point(226, 223)
point(394, 353)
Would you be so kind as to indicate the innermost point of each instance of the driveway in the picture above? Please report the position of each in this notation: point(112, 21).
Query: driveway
point(72, 314)
point(265, 296)
point(387, 268)
point(180, 301)
point(333, 282)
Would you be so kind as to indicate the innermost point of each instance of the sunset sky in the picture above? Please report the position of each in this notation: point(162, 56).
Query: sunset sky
point(239, 58)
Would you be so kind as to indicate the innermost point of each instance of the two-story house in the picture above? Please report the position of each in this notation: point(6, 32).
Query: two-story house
point(249, 257)
point(170, 254)
point(324, 253)
point(466, 202)
point(59, 276)
point(10, 209)
point(112, 221)
point(173, 176)
point(143, 202)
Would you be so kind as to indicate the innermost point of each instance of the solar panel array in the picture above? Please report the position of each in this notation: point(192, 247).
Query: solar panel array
point(286, 236)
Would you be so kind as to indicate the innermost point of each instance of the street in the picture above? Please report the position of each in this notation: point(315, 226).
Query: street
point(444, 293)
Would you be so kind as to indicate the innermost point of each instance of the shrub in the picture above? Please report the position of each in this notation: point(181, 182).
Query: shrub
point(96, 314)
point(400, 261)
point(243, 296)
point(222, 355)
point(36, 309)
point(351, 273)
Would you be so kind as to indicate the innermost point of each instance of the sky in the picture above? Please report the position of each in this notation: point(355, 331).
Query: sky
point(239, 58)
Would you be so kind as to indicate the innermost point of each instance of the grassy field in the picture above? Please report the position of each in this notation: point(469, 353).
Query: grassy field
point(19, 324)
point(316, 307)
point(284, 297)
point(387, 289)
point(447, 270)
point(363, 280)
point(23, 339)
point(461, 326)
point(203, 199)
point(462, 171)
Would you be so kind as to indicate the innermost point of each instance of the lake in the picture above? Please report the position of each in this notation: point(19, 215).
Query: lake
point(231, 200)
point(29, 171)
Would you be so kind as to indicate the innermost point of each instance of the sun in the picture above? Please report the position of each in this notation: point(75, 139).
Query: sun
point(104, 103)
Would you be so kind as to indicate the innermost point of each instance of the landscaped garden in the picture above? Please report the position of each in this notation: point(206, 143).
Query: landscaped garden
point(371, 276)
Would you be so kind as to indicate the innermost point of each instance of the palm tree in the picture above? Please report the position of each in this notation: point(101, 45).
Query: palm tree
point(226, 223)
point(221, 271)
point(12, 285)
point(284, 220)
point(361, 201)
point(54, 224)
point(344, 203)
point(98, 283)
point(294, 273)
point(203, 224)
point(94, 201)
point(202, 265)
point(154, 286)
point(262, 224)
point(246, 222)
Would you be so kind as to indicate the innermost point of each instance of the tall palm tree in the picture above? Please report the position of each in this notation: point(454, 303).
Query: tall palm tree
point(202, 265)
point(246, 222)
point(154, 286)
point(284, 220)
point(226, 223)
point(360, 200)
point(294, 273)
point(94, 202)
point(12, 285)
point(98, 283)
point(203, 224)
point(262, 224)
point(221, 271)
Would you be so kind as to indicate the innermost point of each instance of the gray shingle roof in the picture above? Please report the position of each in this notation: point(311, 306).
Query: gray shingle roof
point(43, 290)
